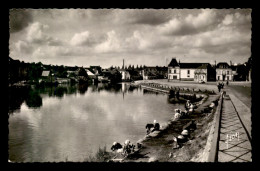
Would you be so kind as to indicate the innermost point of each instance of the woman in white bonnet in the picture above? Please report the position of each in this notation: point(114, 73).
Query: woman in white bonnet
point(128, 147)
point(156, 126)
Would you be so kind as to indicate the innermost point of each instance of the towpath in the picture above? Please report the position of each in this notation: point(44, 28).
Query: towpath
point(234, 143)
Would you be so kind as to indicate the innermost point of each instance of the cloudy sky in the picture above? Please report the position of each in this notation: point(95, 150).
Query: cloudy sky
point(149, 37)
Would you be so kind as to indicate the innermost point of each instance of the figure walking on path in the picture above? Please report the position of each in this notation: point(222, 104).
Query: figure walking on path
point(219, 87)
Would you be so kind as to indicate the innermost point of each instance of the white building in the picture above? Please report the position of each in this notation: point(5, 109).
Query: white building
point(223, 72)
point(174, 70)
point(188, 71)
point(125, 74)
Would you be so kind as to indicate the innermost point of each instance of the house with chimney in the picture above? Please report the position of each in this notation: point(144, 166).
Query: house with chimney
point(190, 71)
point(224, 72)
point(205, 73)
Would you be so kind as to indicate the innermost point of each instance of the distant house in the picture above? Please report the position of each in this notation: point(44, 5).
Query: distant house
point(91, 73)
point(45, 73)
point(187, 70)
point(47, 76)
point(110, 75)
point(223, 72)
point(190, 71)
point(70, 73)
point(201, 74)
point(149, 76)
point(154, 72)
point(63, 80)
point(125, 74)
point(204, 73)
point(96, 69)
point(174, 70)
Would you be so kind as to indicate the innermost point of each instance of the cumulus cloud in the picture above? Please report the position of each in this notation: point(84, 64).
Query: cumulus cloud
point(237, 19)
point(108, 34)
point(36, 35)
point(111, 43)
point(40, 53)
point(23, 47)
point(190, 24)
point(136, 41)
point(228, 19)
point(84, 38)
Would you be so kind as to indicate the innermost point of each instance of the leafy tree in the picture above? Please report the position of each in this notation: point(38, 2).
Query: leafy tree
point(35, 71)
point(82, 72)
point(62, 73)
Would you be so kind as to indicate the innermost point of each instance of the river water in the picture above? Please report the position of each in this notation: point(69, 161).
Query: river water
point(61, 123)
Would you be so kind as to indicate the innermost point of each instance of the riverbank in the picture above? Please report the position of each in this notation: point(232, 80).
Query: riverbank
point(159, 145)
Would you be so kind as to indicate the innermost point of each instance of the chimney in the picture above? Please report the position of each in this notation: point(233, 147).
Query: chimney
point(230, 63)
point(215, 63)
point(123, 63)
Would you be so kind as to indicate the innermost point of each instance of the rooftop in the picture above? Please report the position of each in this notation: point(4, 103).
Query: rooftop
point(193, 65)
point(45, 73)
point(173, 63)
point(223, 65)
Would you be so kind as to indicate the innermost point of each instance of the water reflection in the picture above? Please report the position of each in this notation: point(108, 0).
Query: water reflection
point(32, 96)
point(82, 88)
point(33, 99)
point(59, 122)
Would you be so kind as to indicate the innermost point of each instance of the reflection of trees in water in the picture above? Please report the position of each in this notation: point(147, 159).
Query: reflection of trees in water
point(132, 88)
point(106, 86)
point(16, 96)
point(32, 96)
point(33, 99)
point(60, 91)
point(113, 87)
point(82, 88)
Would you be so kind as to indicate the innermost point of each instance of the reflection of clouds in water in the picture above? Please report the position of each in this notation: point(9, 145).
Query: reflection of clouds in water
point(76, 125)
point(78, 113)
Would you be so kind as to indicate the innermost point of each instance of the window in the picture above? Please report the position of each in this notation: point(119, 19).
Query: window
point(218, 77)
point(169, 71)
point(188, 71)
point(227, 77)
point(227, 72)
point(174, 71)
